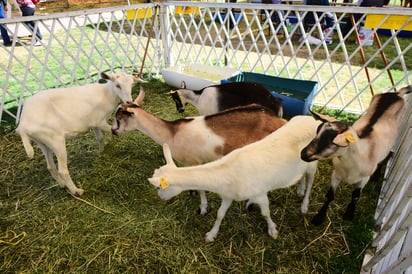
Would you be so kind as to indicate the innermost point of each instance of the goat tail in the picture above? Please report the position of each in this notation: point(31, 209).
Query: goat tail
point(405, 90)
point(27, 144)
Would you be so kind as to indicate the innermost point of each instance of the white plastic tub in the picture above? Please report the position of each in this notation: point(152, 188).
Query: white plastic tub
point(196, 76)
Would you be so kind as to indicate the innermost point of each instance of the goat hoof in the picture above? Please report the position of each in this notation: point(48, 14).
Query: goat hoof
point(348, 216)
point(203, 211)
point(210, 237)
point(317, 220)
point(273, 233)
point(78, 192)
point(304, 210)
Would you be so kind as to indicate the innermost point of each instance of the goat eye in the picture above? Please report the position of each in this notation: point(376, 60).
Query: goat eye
point(118, 86)
point(125, 112)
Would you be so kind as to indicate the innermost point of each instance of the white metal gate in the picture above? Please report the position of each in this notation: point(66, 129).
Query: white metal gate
point(78, 45)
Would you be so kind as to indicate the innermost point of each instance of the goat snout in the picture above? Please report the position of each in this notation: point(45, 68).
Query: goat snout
point(307, 156)
point(114, 131)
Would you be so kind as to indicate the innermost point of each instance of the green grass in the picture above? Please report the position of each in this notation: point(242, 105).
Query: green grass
point(120, 225)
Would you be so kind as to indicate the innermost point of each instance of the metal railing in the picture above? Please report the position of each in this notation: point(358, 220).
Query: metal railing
point(78, 45)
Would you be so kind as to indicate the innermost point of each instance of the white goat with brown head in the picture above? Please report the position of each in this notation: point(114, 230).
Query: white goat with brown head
point(50, 116)
point(357, 150)
point(247, 173)
point(201, 139)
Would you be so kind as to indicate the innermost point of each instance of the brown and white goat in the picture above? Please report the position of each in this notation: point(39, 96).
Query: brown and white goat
point(216, 98)
point(201, 139)
point(357, 150)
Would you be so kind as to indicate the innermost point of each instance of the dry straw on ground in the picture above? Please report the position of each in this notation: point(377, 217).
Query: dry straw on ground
point(121, 226)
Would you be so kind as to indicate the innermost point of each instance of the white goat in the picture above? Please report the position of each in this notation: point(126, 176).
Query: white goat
point(201, 139)
point(247, 173)
point(49, 116)
point(216, 98)
point(357, 150)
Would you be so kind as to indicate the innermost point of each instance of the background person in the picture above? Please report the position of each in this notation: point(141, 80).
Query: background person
point(28, 8)
point(4, 34)
point(327, 22)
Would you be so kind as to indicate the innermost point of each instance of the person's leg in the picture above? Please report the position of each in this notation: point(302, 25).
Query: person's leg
point(28, 11)
point(5, 36)
point(329, 25)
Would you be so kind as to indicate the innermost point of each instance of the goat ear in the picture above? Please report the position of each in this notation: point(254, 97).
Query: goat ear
point(159, 182)
point(105, 76)
point(168, 155)
point(344, 139)
point(137, 79)
point(323, 117)
point(154, 181)
point(139, 99)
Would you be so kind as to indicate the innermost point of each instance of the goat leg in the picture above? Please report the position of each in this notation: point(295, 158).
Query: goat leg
point(263, 203)
point(203, 208)
point(64, 178)
point(320, 217)
point(99, 138)
point(350, 210)
point(51, 165)
point(211, 235)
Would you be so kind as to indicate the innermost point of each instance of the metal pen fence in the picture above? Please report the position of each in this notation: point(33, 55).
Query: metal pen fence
point(263, 38)
point(78, 45)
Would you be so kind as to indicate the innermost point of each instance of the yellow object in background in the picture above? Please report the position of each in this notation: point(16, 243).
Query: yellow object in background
point(391, 21)
point(139, 13)
point(187, 10)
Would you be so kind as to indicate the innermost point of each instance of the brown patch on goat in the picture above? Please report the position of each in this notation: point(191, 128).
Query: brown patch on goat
point(389, 103)
point(174, 126)
point(260, 120)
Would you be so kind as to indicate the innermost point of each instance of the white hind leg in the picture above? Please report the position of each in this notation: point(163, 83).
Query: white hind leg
point(203, 202)
point(99, 138)
point(51, 165)
point(58, 146)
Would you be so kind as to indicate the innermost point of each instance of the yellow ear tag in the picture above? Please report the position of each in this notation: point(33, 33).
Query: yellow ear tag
point(163, 183)
point(129, 109)
point(349, 137)
point(172, 91)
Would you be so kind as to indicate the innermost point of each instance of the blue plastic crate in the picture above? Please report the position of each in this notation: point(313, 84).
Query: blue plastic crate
point(297, 95)
point(221, 17)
